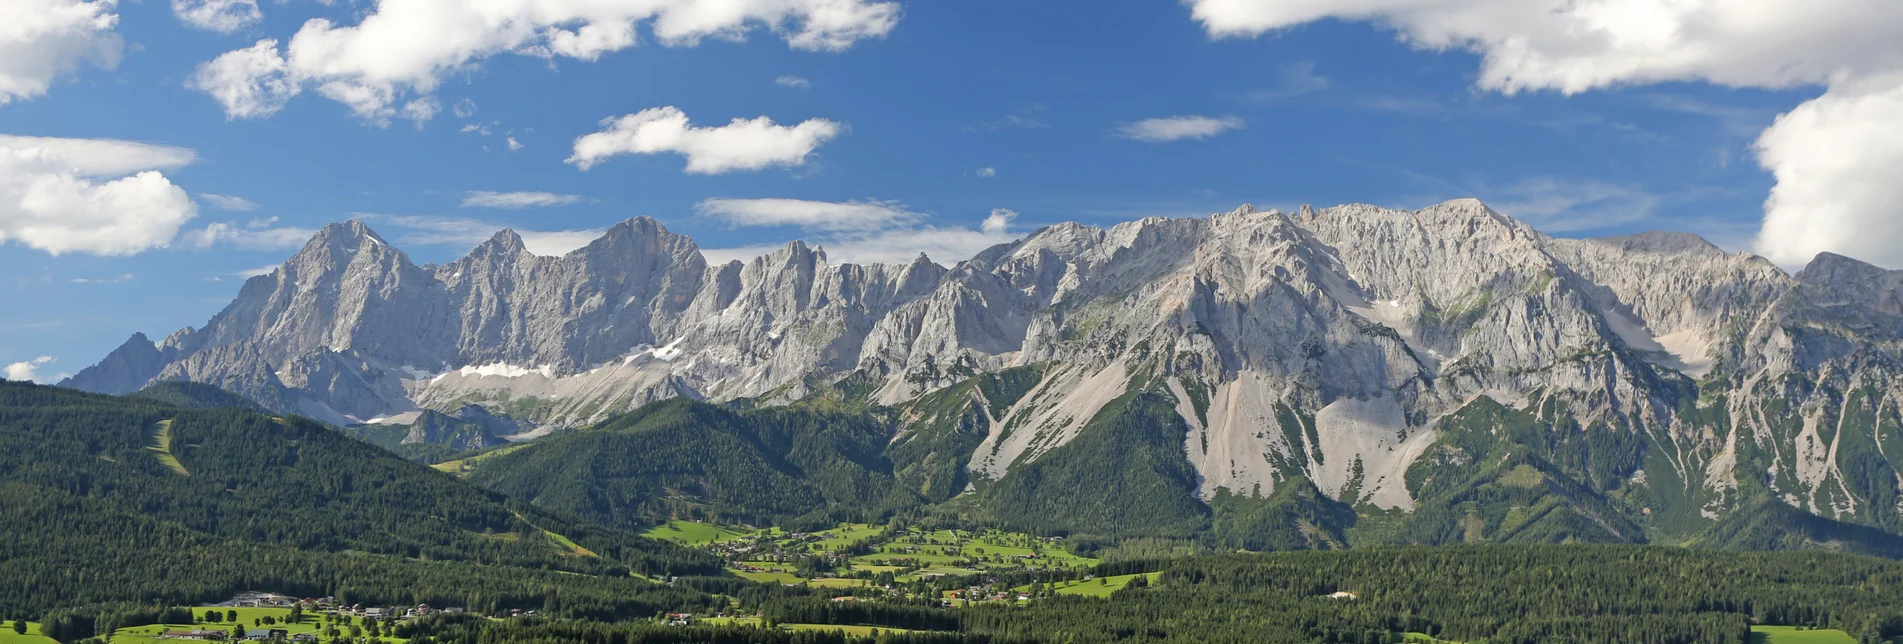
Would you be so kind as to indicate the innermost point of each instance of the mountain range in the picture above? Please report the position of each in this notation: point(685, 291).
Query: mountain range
point(1447, 374)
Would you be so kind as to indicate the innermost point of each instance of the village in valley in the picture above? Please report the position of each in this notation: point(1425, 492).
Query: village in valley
point(856, 562)
point(862, 561)
point(268, 617)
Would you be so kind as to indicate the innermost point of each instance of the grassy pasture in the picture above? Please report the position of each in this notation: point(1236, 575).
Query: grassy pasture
point(845, 536)
point(1101, 587)
point(32, 636)
point(860, 631)
point(462, 467)
point(1790, 635)
point(246, 616)
point(694, 533)
point(162, 447)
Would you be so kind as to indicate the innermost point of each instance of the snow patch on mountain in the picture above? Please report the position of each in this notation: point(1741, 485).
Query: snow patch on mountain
point(503, 370)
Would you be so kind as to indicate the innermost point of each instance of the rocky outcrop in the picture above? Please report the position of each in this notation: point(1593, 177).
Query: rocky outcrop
point(469, 428)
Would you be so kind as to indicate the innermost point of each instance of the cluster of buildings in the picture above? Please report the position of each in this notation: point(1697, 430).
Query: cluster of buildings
point(982, 594)
point(311, 606)
point(258, 635)
point(262, 600)
point(755, 545)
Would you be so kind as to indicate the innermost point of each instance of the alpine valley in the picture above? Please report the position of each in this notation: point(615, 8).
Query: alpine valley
point(1251, 380)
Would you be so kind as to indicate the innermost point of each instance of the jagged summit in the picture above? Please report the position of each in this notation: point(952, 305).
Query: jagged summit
point(127, 369)
point(1839, 282)
point(635, 232)
point(504, 242)
point(352, 234)
point(1829, 268)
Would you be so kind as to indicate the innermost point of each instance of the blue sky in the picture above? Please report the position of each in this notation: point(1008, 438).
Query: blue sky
point(954, 111)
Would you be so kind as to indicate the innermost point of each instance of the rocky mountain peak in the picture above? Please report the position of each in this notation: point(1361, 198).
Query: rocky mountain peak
point(1473, 215)
point(794, 254)
point(347, 234)
point(1065, 240)
point(1835, 280)
point(642, 242)
point(505, 243)
point(336, 247)
point(637, 232)
point(125, 370)
point(1831, 269)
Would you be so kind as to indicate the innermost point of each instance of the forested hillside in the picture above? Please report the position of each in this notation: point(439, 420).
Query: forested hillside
point(114, 504)
point(1500, 594)
point(131, 499)
point(681, 458)
point(195, 395)
point(1494, 474)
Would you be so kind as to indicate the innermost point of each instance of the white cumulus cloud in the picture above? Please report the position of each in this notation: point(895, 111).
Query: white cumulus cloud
point(1176, 128)
point(1837, 160)
point(254, 82)
point(227, 202)
point(512, 200)
point(794, 81)
point(1568, 206)
point(404, 49)
point(257, 234)
point(1835, 157)
point(467, 233)
point(1579, 45)
point(43, 39)
point(998, 221)
point(421, 110)
point(222, 16)
point(744, 144)
point(121, 279)
point(29, 371)
point(811, 215)
point(870, 232)
point(987, 172)
point(944, 245)
point(100, 196)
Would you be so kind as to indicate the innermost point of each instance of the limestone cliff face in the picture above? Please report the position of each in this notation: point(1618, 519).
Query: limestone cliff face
point(1324, 344)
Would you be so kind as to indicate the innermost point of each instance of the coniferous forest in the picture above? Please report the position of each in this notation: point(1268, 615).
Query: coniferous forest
point(118, 510)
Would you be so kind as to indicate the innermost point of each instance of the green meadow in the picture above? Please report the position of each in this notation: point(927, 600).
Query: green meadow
point(1792, 635)
point(32, 636)
point(1099, 587)
point(694, 533)
point(248, 617)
